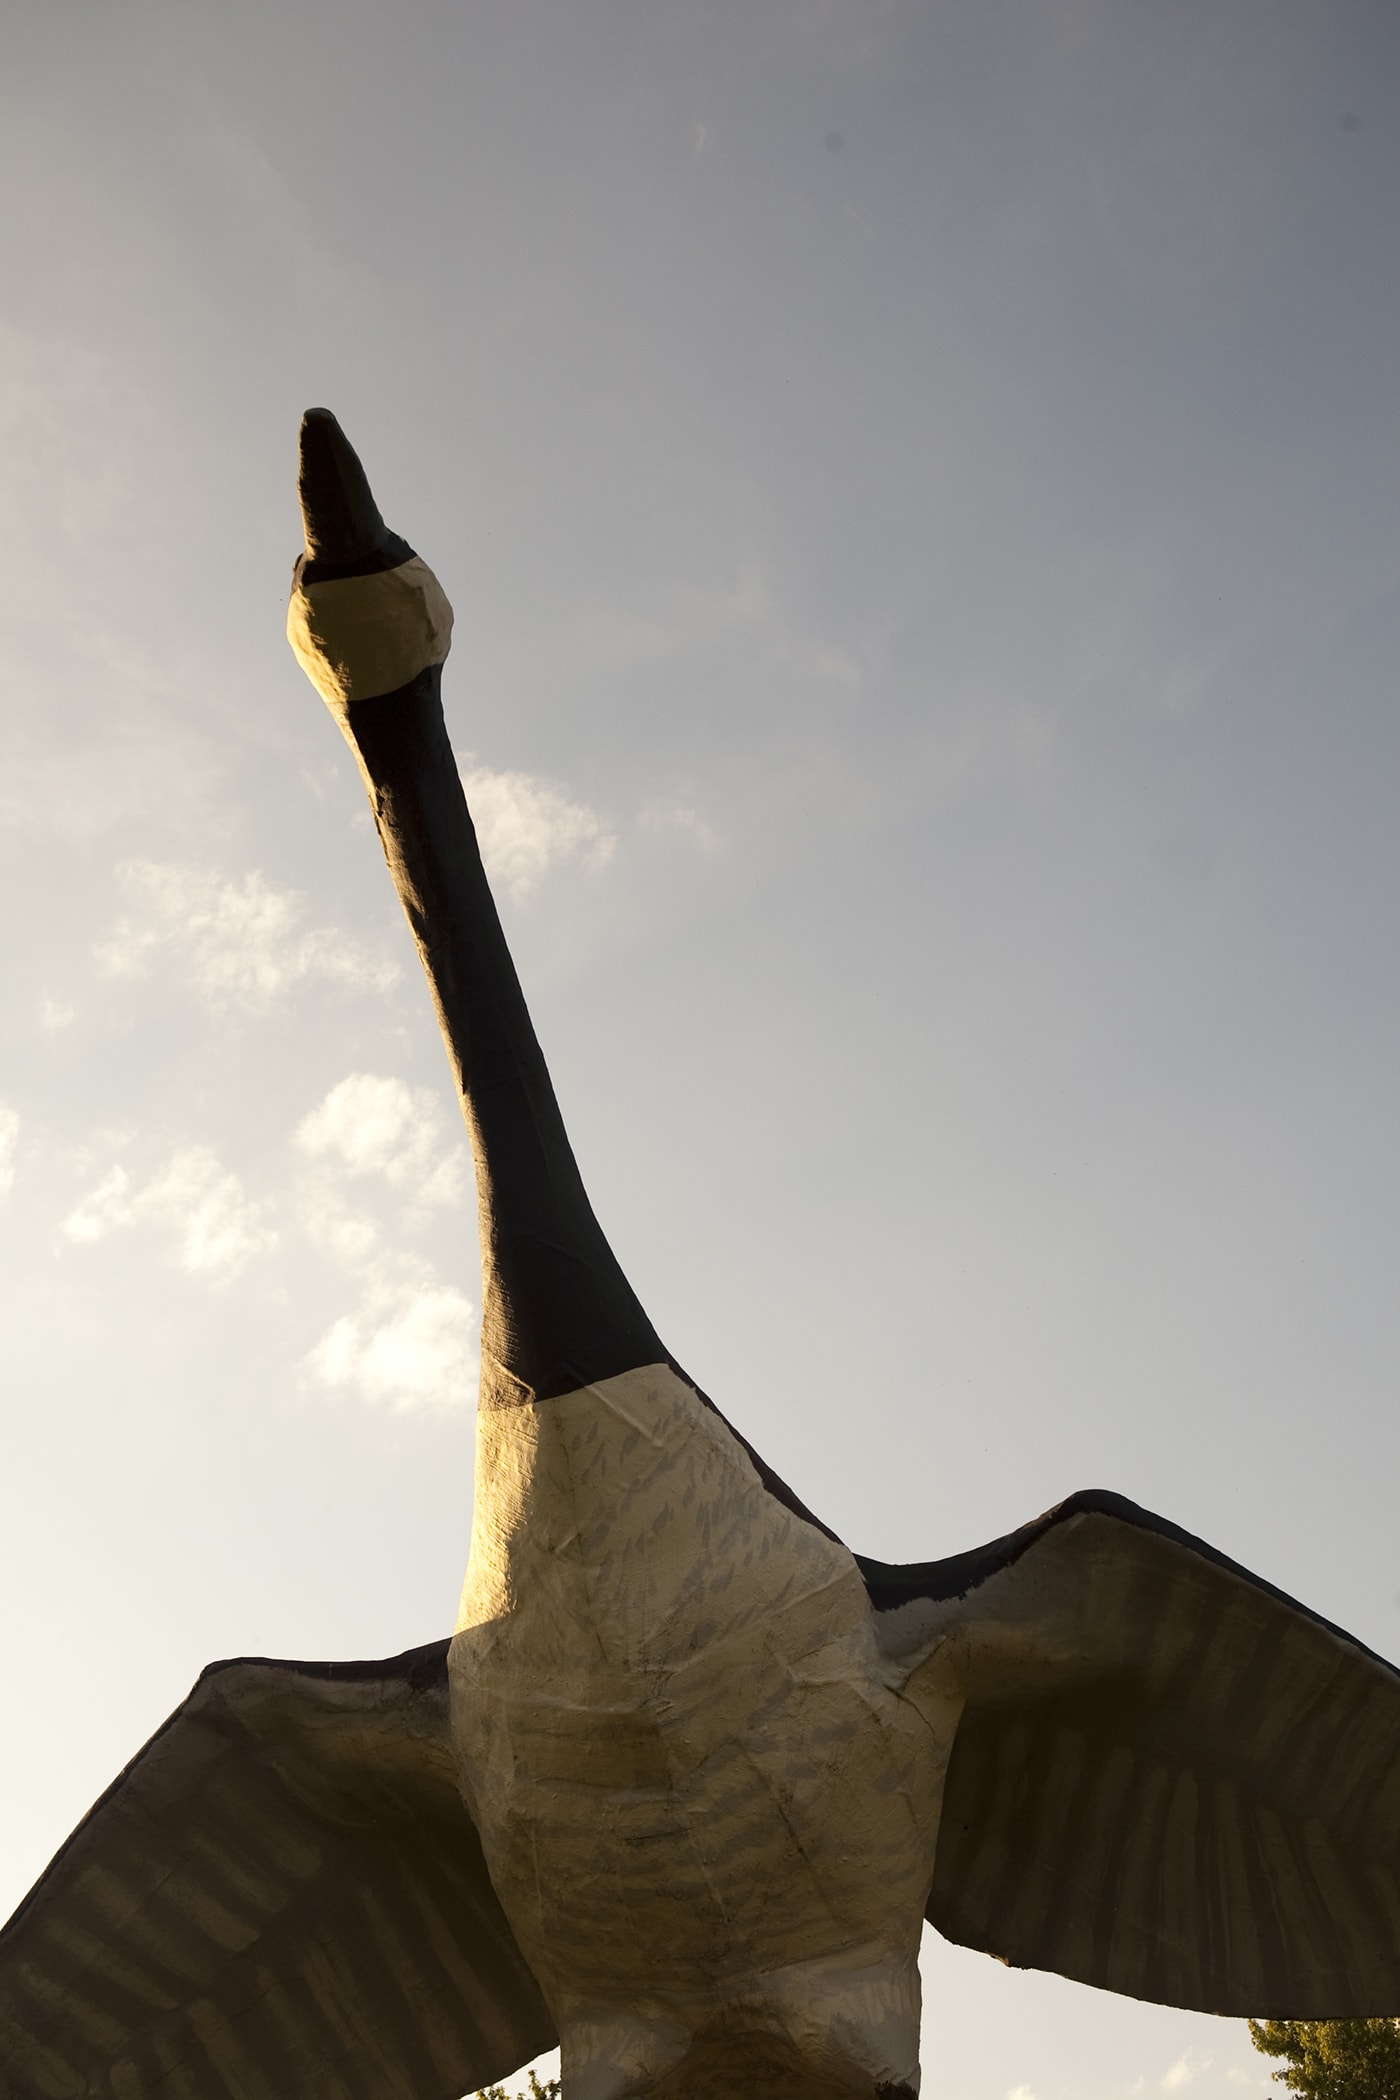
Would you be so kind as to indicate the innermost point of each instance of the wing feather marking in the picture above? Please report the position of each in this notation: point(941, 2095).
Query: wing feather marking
point(1067, 1915)
point(1236, 1948)
point(1384, 1817)
point(1177, 1963)
point(112, 1906)
point(476, 1985)
point(332, 1991)
point(1308, 1966)
point(293, 2032)
point(1130, 1949)
point(1307, 1767)
point(77, 2012)
point(182, 1907)
point(421, 2020)
point(415, 2042)
point(100, 1960)
point(1346, 1899)
point(1108, 1810)
point(986, 1864)
point(174, 2080)
point(52, 2077)
point(1369, 1805)
point(244, 1873)
point(225, 2052)
point(1054, 1780)
point(1384, 1886)
point(1173, 1642)
point(370, 2065)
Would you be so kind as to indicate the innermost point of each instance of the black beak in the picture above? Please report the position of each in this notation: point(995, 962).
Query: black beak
point(345, 532)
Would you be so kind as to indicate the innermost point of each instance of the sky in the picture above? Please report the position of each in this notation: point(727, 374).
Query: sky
point(917, 480)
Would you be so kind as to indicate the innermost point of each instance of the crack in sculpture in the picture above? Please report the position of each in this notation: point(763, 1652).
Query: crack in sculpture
point(689, 1776)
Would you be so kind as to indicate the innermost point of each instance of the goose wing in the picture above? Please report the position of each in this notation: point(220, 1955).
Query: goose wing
point(281, 1896)
point(1170, 1779)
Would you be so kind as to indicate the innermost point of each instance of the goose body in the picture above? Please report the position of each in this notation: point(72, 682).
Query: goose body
point(709, 1810)
point(689, 1776)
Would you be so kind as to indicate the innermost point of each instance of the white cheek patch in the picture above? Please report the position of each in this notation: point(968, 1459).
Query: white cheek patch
point(360, 636)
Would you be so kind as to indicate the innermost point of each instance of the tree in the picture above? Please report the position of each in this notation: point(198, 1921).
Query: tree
point(1333, 2059)
point(537, 2091)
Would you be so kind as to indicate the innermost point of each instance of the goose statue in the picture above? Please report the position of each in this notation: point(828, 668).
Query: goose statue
point(689, 1776)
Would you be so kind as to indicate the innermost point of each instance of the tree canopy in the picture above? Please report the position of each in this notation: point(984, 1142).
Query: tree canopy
point(1333, 2059)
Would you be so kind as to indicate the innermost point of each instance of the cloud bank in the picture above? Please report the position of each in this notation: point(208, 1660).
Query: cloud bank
point(409, 1345)
point(217, 1229)
point(368, 1124)
point(240, 942)
point(410, 1341)
point(526, 826)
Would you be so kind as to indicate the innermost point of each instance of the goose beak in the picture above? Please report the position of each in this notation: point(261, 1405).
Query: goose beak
point(339, 515)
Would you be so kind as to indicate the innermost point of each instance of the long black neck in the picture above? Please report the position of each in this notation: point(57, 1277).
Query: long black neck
point(557, 1311)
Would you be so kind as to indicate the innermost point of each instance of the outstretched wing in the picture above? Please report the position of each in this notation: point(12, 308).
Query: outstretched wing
point(1170, 1779)
point(281, 1898)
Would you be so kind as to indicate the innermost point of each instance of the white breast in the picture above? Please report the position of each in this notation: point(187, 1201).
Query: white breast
point(710, 1818)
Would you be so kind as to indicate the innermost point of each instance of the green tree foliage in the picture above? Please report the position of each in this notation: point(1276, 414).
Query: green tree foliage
point(1333, 2059)
point(536, 2092)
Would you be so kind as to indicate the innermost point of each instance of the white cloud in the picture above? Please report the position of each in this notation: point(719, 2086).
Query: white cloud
point(240, 941)
point(217, 1229)
point(333, 1225)
point(102, 1210)
point(679, 820)
point(1185, 2071)
point(409, 1346)
point(370, 1124)
point(526, 825)
point(9, 1146)
point(55, 1014)
point(1020, 2092)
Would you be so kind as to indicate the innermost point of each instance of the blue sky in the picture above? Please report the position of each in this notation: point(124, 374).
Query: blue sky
point(917, 483)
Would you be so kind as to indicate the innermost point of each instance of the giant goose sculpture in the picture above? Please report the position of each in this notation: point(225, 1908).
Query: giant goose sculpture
point(689, 1776)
